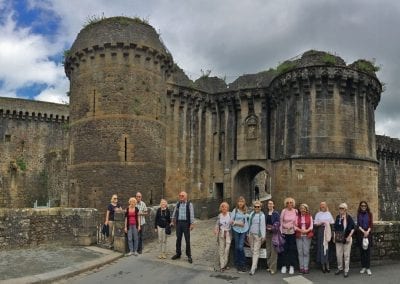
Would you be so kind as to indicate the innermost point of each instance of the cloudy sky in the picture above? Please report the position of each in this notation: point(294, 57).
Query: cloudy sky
point(228, 37)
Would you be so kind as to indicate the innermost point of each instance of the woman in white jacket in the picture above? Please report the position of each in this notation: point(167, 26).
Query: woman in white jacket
point(256, 234)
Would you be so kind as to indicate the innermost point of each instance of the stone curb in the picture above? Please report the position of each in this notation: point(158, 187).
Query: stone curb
point(70, 271)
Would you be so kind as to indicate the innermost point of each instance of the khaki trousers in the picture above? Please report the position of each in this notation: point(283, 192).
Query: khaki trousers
point(343, 252)
point(162, 239)
point(255, 245)
point(272, 256)
point(111, 232)
point(224, 244)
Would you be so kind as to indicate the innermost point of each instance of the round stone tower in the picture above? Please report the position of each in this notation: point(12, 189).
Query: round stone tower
point(323, 132)
point(117, 69)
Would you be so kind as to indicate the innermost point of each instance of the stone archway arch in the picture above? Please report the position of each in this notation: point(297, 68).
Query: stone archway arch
point(243, 180)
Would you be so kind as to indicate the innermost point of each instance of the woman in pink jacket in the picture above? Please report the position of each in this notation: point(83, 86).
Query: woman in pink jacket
point(288, 222)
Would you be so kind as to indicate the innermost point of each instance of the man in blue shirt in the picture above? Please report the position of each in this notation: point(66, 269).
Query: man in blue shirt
point(183, 219)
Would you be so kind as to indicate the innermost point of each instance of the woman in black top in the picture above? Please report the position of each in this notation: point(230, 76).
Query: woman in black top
point(162, 220)
point(111, 208)
point(344, 226)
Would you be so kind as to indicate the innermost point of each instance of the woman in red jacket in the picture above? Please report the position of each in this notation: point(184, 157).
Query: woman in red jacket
point(304, 233)
point(132, 226)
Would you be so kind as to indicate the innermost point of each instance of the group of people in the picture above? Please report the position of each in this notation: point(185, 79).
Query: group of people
point(288, 235)
point(134, 221)
point(182, 218)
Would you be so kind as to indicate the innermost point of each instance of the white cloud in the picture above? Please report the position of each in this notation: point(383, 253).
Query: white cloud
point(228, 37)
point(24, 59)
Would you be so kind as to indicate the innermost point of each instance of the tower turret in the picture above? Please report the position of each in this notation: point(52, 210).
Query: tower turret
point(323, 131)
point(117, 69)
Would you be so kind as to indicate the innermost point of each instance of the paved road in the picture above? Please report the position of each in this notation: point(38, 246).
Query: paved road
point(147, 268)
point(144, 270)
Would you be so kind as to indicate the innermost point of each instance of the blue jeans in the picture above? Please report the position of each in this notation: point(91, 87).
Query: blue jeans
point(133, 238)
point(240, 259)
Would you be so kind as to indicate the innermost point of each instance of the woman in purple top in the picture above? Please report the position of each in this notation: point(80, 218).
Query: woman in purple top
point(364, 226)
point(272, 228)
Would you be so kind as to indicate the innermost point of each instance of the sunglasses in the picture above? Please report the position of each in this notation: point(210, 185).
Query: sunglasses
point(257, 207)
point(341, 208)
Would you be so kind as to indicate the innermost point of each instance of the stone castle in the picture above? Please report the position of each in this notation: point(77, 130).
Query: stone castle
point(136, 122)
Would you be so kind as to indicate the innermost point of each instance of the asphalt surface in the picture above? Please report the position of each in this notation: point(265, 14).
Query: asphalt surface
point(81, 265)
point(46, 264)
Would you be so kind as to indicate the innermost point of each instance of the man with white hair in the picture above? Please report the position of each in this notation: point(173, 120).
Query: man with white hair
point(183, 219)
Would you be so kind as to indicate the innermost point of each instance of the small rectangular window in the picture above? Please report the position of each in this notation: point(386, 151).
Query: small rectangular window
point(7, 138)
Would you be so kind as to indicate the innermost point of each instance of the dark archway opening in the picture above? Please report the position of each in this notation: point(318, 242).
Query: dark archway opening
point(246, 181)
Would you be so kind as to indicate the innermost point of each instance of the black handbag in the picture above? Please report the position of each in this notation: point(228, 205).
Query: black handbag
point(168, 229)
point(339, 237)
point(105, 230)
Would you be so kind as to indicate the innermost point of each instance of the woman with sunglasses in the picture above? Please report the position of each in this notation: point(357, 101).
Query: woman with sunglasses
point(364, 223)
point(256, 235)
point(344, 227)
point(111, 208)
point(240, 226)
point(288, 221)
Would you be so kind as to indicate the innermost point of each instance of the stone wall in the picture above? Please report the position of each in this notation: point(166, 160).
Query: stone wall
point(388, 154)
point(27, 227)
point(29, 130)
point(334, 181)
point(385, 244)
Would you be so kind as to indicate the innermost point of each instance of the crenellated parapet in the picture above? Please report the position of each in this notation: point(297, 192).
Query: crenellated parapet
point(325, 78)
point(125, 52)
point(27, 110)
point(121, 40)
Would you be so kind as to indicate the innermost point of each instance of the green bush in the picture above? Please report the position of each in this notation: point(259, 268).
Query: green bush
point(366, 66)
point(285, 67)
point(21, 164)
point(329, 59)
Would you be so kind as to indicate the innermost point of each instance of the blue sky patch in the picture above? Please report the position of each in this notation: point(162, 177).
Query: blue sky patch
point(31, 91)
point(40, 21)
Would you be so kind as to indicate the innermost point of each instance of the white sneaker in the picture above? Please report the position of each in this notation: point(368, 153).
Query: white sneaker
point(363, 270)
point(369, 272)
point(283, 270)
point(291, 270)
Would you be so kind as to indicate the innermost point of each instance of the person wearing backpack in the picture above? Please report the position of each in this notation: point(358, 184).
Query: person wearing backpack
point(256, 234)
point(222, 230)
point(183, 219)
